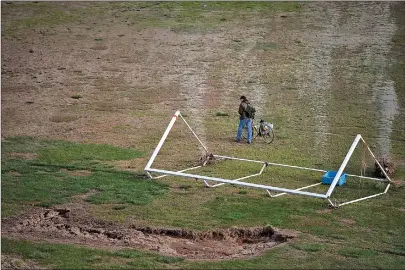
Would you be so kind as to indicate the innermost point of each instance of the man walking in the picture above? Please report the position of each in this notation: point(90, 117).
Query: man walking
point(245, 119)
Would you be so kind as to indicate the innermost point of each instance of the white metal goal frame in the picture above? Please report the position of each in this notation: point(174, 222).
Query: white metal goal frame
point(269, 189)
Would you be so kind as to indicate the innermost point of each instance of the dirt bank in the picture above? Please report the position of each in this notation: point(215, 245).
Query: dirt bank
point(71, 224)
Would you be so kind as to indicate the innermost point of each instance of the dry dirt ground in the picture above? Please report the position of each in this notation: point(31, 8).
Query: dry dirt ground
point(130, 78)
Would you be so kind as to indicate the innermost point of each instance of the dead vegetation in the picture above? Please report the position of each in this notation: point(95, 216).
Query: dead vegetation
point(387, 166)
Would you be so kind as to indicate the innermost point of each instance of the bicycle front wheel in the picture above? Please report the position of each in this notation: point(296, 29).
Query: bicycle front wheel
point(269, 136)
point(245, 132)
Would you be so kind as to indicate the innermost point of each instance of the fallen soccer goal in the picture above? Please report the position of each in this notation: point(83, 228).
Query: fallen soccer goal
point(331, 178)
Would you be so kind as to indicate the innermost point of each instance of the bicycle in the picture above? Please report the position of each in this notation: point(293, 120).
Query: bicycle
point(262, 129)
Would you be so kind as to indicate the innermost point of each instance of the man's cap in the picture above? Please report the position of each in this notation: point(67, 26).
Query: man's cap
point(243, 97)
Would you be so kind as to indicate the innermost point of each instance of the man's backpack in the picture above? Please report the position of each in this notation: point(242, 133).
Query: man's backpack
point(250, 111)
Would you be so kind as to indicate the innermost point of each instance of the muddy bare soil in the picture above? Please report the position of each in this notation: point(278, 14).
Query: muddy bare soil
point(71, 224)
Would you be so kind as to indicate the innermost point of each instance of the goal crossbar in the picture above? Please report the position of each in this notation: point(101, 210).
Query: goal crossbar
point(236, 182)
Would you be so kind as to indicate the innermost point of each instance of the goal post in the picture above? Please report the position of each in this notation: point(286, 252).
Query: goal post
point(387, 179)
point(162, 140)
point(264, 164)
point(342, 167)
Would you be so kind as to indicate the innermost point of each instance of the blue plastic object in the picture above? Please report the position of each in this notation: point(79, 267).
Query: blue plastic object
point(328, 177)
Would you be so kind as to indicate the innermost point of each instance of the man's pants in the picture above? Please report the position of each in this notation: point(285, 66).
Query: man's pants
point(242, 124)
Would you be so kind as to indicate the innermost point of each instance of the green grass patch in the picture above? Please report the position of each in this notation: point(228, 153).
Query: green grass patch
point(128, 253)
point(249, 6)
point(55, 152)
point(185, 187)
point(131, 191)
point(221, 114)
point(119, 207)
point(65, 153)
point(59, 256)
point(34, 16)
point(260, 209)
point(169, 260)
point(64, 169)
point(266, 46)
point(356, 252)
point(310, 247)
point(189, 17)
point(44, 186)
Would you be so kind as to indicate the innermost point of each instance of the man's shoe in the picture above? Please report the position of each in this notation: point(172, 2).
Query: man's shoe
point(236, 140)
point(249, 142)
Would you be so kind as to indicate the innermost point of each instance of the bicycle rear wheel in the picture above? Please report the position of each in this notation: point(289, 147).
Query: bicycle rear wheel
point(269, 136)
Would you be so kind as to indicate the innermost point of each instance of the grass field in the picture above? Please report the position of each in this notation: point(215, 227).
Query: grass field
point(89, 88)
point(366, 235)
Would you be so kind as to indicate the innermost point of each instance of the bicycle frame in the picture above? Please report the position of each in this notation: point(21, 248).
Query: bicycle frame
point(256, 132)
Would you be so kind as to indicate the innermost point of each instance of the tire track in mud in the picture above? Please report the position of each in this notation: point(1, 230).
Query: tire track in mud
point(73, 225)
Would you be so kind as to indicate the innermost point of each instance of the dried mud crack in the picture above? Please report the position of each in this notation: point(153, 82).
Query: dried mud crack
point(68, 225)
